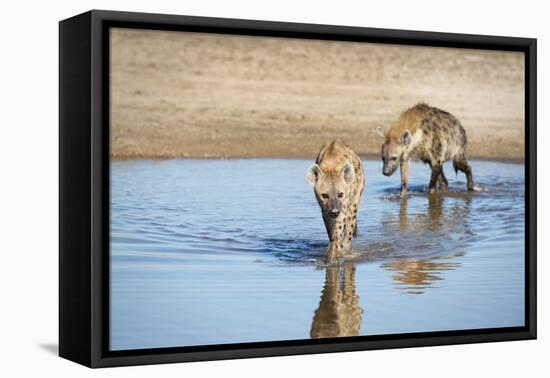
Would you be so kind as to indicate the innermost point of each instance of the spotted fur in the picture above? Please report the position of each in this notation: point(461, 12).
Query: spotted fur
point(338, 181)
point(431, 135)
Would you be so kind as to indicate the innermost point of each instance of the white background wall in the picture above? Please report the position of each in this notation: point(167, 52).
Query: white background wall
point(29, 186)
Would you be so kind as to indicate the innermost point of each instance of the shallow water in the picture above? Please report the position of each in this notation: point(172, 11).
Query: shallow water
point(231, 251)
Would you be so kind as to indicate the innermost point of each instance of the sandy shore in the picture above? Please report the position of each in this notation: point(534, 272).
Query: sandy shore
point(214, 96)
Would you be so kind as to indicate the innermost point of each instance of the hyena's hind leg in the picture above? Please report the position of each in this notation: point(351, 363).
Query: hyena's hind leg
point(461, 164)
point(436, 173)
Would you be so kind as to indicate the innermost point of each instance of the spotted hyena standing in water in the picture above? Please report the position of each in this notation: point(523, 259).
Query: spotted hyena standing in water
point(431, 135)
point(338, 181)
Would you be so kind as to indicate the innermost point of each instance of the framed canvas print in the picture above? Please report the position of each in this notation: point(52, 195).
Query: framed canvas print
point(234, 188)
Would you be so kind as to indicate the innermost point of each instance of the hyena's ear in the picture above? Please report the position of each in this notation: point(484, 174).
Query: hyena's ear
point(348, 173)
point(380, 131)
point(405, 138)
point(313, 173)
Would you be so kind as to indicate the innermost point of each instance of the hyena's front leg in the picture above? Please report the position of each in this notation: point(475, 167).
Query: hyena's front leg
point(443, 183)
point(436, 172)
point(335, 229)
point(347, 232)
point(350, 220)
point(404, 177)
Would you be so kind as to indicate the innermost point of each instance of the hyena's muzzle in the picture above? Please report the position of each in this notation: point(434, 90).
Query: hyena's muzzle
point(334, 208)
point(389, 168)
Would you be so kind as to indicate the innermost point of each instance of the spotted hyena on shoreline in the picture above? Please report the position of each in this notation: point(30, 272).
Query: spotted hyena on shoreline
point(338, 181)
point(431, 135)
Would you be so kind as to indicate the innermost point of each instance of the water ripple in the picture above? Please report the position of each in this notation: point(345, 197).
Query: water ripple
point(277, 216)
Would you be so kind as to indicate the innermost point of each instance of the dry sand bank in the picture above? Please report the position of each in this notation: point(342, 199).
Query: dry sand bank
point(198, 95)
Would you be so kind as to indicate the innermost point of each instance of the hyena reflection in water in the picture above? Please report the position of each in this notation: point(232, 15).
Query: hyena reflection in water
point(339, 313)
point(338, 181)
point(440, 232)
point(431, 135)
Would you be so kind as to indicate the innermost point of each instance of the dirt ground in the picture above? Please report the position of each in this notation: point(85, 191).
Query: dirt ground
point(198, 95)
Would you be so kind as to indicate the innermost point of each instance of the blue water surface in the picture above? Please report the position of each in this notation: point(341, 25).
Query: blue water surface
point(231, 251)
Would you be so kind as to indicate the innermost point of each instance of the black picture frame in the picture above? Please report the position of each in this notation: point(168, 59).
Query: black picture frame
point(84, 187)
